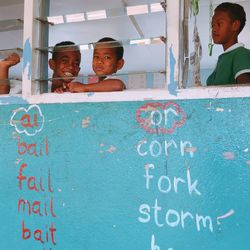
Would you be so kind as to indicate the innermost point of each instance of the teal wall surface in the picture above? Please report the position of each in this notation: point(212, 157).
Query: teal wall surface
point(126, 175)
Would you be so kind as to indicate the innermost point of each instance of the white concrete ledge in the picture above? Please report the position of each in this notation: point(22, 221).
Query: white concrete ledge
point(143, 95)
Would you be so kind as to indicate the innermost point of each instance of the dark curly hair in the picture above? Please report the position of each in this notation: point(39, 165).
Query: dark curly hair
point(65, 44)
point(235, 12)
point(114, 44)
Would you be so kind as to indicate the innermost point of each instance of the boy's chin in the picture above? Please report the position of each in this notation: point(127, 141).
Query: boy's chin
point(217, 42)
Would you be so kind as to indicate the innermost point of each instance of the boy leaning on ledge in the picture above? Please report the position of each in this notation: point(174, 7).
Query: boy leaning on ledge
point(65, 64)
point(107, 60)
point(233, 66)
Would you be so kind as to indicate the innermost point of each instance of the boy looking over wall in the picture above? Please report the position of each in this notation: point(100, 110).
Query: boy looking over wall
point(107, 60)
point(233, 66)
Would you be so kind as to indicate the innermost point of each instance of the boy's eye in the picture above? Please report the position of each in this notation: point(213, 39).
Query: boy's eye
point(64, 61)
point(107, 57)
point(219, 24)
point(77, 64)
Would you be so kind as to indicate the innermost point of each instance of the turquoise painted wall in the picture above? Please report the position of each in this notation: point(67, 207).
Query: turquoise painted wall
point(128, 176)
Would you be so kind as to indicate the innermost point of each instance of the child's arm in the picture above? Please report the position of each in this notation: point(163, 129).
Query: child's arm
point(60, 88)
point(243, 78)
point(5, 64)
point(102, 86)
point(57, 86)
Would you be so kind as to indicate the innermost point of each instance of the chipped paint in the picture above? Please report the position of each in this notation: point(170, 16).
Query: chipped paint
point(219, 110)
point(229, 155)
point(185, 161)
point(85, 122)
point(27, 59)
point(209, 106)
point(107, 148)
point(111, 149)
point(172, 86)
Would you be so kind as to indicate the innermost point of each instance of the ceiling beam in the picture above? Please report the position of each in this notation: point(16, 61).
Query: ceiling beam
point(133, 21)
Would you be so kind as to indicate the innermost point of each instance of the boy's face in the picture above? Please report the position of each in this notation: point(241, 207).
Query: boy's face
point(66, 65)
point(105, 61)
point(224, 30)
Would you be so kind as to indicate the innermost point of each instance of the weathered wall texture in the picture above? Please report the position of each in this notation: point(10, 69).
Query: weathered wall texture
point(128, 175)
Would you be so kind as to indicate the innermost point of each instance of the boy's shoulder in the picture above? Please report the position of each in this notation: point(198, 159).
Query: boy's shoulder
point(236, 50)
point(241, 53)
point(246, 50)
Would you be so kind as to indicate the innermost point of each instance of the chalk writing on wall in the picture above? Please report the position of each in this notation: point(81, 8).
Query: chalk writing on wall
point(165, 119)
point(29, 121)
point(155, 117)
point(124, 184)
point(35, 201)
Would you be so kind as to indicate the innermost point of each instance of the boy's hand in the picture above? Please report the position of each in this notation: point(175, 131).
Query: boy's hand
point(59, 90)
point(76, 87)
point(11, 60)
point(62, 89)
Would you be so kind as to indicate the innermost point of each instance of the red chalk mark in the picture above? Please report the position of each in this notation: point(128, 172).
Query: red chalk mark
point(33, 148)
point(149, 107)
point(26, 121)
point(37, 207)
point(20, 176)
point(47, 146)
point(39, 234)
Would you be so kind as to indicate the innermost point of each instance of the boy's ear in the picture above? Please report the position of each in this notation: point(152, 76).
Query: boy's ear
point(120, 64)
point(52, 64)
point(236, 25)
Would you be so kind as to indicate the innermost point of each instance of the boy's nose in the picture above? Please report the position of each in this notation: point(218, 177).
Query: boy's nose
point(71, 65)
point(214, 28)
point(99, 60)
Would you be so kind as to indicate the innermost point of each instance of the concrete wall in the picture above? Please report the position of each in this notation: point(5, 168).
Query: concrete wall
point(125, 175)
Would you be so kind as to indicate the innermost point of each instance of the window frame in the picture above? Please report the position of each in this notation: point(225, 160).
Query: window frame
point(174, 49)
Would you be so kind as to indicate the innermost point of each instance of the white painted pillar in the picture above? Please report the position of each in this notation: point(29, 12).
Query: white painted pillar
point(30, 42)
point(173, 45)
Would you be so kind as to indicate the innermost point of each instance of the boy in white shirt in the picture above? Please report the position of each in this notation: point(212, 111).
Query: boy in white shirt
point(107, 60)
